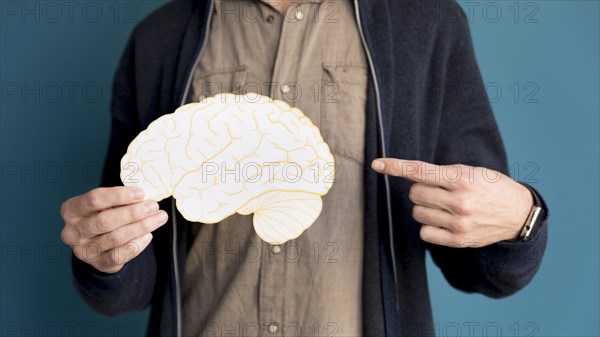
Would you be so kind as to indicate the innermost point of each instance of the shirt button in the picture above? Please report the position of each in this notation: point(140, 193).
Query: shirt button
point(273, 328)
point(299, 15)
point(270, 19)
point(276, 249)
point(285, 89)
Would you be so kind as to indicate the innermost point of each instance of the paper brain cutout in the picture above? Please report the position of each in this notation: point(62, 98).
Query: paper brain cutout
point(227, 154)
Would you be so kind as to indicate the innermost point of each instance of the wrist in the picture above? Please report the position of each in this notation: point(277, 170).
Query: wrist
point(524, 206)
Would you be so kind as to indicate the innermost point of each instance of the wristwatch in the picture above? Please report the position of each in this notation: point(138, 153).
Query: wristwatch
point(535, 218)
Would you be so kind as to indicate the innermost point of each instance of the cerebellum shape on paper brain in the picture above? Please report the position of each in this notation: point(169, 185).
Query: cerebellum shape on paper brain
point(228, 154)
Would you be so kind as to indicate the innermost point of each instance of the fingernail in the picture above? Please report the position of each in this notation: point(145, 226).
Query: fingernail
point(147, 237)
point(378, 165)
point(151, 206)
point(162, 216)
point(138, 193)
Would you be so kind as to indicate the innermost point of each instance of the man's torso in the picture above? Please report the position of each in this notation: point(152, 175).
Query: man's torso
point(310, 56)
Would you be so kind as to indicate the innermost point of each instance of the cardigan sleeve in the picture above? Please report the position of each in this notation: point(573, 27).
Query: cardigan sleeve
point(469, 135)
point(132, 287)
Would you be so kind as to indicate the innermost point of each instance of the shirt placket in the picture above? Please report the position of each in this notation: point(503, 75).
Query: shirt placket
point(284, 82)
point(275, 269)
point(271, 294)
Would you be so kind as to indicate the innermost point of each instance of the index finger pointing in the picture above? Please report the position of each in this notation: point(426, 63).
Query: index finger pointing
point(102, 198)
point(414, 170)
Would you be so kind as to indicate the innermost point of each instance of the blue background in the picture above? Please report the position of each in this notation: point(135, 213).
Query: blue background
point(541, 66)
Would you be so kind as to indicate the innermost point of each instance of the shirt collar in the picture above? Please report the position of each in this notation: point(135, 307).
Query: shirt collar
point(265, 10)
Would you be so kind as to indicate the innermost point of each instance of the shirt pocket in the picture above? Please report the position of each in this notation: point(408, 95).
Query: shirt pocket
point(343, 105)
point(218, 81)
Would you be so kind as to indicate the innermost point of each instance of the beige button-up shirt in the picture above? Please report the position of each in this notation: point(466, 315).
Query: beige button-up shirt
point(310, 56)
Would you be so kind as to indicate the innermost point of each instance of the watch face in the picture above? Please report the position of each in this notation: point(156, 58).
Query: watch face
point(534, 220)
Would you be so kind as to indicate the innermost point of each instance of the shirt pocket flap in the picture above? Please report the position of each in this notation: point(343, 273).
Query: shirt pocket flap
point(218, 81)
point(346, 73)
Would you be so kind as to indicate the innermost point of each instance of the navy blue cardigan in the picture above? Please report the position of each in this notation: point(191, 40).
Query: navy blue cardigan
point(434, 108)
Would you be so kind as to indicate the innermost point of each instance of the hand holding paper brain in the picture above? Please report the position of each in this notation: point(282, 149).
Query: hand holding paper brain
point(228, 154)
